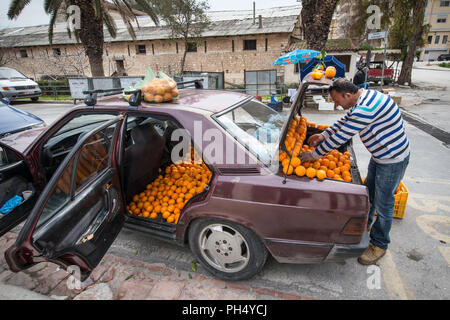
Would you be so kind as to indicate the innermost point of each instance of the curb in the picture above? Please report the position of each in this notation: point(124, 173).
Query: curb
point(118, 278)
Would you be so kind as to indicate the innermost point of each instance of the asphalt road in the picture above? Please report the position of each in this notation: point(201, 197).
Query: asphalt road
point(417, 264)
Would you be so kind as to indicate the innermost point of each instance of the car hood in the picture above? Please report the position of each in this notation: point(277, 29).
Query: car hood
point(13, 119)
point(22, 140)
point(17, 82)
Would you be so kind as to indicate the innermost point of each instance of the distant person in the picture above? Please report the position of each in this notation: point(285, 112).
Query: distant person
point(360, 78)
point(378, 121)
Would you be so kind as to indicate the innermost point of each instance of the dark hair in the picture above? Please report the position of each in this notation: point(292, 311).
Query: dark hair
point(343, 86)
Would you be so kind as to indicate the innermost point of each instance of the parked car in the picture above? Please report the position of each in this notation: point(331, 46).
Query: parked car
point(85, 168)
point(444, 57)
point(13, 119)
point(375, 70)
point(15, 85)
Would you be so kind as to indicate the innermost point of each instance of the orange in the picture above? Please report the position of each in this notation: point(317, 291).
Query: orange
point(311, 172)
point(285, 162)
point(166, 214)
point(332, 165)
point(324, 168)
point(171, 218)
point(316, 165)
point(295, 162)
point(325, 162)
point(337, 171)
point(347, 178)
point(330, 173)
point(153, 215)
point(321, 174)
point(300, 171)
point(288, 171)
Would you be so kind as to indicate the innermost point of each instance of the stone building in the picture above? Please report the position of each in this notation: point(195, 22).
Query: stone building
point(436, 42)
point(240, 44)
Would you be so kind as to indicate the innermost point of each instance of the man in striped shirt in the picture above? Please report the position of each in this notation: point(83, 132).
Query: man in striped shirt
point(378, 121)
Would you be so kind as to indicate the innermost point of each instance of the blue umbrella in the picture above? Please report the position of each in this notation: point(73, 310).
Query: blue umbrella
point(296, 56)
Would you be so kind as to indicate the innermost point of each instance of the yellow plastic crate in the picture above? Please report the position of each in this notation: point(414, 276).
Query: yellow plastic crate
point(401, 196)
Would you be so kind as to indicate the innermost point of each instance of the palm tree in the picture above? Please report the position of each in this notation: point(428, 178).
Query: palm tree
point(94, 15)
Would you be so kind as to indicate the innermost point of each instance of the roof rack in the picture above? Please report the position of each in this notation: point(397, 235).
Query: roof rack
point(136, 96)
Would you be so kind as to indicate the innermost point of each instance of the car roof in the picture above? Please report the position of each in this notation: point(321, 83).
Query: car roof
point(203, 100)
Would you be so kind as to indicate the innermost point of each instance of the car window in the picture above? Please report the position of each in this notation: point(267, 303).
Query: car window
point(11, 74)
point(94, 156)
point(256, 126)
point(59, 196)
point(3, 158)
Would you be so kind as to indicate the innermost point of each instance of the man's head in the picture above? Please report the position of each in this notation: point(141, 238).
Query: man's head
point(344, 93)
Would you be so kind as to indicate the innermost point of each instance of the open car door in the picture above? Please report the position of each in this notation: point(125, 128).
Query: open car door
point(80, 212)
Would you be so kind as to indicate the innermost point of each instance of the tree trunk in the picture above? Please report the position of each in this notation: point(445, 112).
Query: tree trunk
point(183, 60)
point(316, 20)
point(91, 36)
point(418, 14)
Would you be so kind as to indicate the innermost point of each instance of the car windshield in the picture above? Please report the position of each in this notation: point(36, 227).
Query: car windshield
point(11, 74)
point(256, 126)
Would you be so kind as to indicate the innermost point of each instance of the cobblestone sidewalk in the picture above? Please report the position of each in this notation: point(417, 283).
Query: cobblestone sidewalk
point(117, 278)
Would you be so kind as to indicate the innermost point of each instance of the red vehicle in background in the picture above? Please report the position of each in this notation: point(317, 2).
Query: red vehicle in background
point(375, 72)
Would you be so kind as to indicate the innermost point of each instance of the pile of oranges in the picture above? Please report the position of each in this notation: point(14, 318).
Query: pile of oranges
point(334, 165)
point(167, 195)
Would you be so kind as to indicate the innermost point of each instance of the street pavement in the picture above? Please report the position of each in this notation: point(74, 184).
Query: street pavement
point(416, 266)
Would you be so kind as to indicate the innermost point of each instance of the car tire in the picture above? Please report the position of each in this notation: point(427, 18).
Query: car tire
point(35, 99)
point(217, 243)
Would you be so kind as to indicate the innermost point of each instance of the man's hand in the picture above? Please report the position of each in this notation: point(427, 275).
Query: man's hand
point(315, 139)
point(306, 156)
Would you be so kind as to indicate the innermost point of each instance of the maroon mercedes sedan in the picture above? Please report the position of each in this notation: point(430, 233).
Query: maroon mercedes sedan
point(80, 173)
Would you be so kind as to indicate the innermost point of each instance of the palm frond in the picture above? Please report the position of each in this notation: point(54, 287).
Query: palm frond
point(51, 5)
point(151, 12)
point(109, 23)
point(16, 7)
point(51, 25)
point(127, 16)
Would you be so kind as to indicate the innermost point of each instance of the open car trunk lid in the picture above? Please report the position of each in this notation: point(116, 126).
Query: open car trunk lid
point(324, 83)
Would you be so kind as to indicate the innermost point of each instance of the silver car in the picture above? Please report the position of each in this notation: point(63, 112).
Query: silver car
point(15, 85)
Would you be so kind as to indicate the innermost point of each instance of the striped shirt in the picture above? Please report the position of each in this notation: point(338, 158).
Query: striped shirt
point(377, 119)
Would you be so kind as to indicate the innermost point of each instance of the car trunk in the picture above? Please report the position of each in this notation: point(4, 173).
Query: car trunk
point(296, 110)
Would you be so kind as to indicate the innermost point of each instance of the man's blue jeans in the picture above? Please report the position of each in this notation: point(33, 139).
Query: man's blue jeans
point(382, 181)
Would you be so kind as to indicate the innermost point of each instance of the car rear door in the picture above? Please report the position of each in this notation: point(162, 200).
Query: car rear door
point(80, 212)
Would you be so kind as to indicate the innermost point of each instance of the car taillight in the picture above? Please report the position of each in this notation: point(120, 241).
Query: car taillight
point(5, 88)
point(354, 227)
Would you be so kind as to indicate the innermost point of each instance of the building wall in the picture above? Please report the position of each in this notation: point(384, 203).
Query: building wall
point(160, 55)
point(437, 9)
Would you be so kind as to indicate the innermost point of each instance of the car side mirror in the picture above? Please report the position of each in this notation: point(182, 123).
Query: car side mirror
point(6, 100)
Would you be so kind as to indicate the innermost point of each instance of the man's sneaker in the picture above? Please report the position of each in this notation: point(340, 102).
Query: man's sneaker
point(371, 255)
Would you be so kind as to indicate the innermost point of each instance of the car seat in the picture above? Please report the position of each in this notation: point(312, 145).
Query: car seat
point(142, 158)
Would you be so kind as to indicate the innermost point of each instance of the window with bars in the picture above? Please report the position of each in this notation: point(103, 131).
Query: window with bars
point(249, 44)
point(141, 49)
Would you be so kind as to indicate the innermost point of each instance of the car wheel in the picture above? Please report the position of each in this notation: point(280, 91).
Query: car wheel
point(35, 99)
point(227, 250)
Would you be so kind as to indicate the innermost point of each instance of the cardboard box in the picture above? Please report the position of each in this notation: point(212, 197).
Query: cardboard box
point(386, 91)
point(397, 99)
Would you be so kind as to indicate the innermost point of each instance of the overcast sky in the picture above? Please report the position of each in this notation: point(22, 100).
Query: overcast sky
point(34, 14)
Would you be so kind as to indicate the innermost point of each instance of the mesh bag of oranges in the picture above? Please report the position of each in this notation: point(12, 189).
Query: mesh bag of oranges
point(155, 89)
point(165, 197)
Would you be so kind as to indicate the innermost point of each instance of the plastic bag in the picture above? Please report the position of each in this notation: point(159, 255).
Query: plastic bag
point(162, 89)
point(155, 89)
point(11, 204)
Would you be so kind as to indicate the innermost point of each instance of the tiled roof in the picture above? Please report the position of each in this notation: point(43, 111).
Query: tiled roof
point(224, 23)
